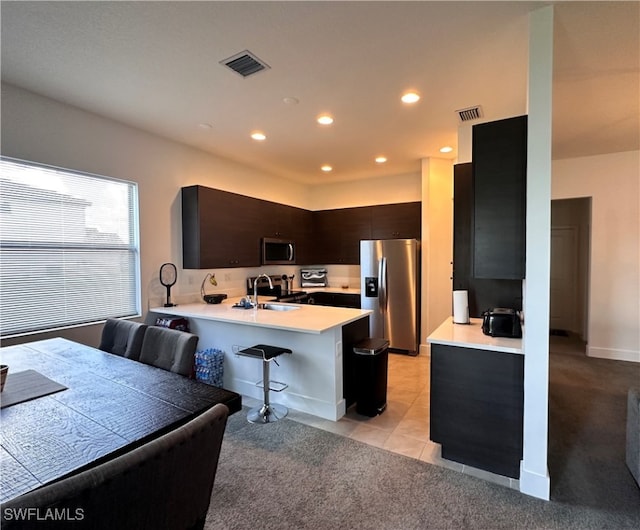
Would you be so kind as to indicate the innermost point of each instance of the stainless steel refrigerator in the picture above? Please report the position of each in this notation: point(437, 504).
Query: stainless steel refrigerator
point(390, 286)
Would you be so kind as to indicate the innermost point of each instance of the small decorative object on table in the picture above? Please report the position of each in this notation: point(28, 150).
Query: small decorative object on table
point(4, 370)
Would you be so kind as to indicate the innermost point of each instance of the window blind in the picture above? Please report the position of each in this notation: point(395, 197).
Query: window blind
point(69, 248)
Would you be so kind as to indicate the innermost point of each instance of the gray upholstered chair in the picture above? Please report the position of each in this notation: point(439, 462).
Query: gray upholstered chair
point(169, 349)
point(165, 483)
point(122, 337)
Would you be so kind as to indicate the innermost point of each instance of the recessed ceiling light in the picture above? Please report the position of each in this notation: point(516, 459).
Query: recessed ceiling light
point(325, 119)
point(410, 97)
point(381, 159)
point(205, 126)
point(446, 149)
point(326, 168)
point(258, 135)
point(290, 100)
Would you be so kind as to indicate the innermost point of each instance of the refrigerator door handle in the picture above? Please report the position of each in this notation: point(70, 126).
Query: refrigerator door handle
point(382, 274)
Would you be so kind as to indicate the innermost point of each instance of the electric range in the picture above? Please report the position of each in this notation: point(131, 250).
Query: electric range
point(279, 290)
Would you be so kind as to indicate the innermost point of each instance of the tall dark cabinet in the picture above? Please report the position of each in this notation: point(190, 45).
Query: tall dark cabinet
point(462, 225)
point(499, 195)
point(483, 293)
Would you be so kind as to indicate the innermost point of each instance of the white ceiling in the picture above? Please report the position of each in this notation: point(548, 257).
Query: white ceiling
point(156, 66)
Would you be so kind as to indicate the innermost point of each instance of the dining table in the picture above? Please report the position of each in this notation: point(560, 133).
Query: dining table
point(95, 406)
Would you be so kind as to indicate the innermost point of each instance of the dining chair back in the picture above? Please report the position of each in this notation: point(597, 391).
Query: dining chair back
point(169, 349)
point(122, 337)
point(165, 483)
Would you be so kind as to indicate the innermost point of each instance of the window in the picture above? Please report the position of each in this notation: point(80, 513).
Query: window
point(69, 248)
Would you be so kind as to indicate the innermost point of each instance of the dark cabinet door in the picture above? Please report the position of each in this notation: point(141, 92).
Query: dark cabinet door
point(483, 293)
point(219, 229)
point(337, 234)
point(276, 220)
point(499, 180)
point(335, 299)
point(396, 221)
point(302, 233)
point(476, 410)
point(462, 225)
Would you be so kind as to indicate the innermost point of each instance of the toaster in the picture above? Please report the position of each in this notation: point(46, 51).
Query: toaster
point(501, 322)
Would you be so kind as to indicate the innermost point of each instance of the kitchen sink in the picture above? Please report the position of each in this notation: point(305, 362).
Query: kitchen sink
point(278, 307)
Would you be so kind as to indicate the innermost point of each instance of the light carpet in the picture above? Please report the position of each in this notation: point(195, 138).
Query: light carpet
point(288, 475)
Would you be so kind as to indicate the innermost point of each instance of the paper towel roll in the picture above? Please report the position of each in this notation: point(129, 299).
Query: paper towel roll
point(460, 307)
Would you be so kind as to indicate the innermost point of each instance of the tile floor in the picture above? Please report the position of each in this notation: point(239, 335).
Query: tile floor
point(404, 426)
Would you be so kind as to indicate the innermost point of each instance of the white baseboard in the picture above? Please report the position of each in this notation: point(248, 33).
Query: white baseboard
point(425, 349)
point(534, 484)
point(613, 354)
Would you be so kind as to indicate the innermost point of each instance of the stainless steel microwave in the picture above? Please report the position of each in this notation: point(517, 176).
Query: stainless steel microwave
point(278, 251)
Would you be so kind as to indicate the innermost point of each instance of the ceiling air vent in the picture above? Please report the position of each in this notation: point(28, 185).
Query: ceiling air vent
point(472, 113)
point(245, 63)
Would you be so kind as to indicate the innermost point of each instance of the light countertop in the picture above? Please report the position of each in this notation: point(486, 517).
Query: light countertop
point(471, 336)
point(307, 319)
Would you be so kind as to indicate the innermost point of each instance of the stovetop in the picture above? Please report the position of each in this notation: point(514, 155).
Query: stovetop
point(286, 295)
point(278, 291)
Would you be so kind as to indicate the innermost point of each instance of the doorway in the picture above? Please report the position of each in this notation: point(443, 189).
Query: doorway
point(569, 282)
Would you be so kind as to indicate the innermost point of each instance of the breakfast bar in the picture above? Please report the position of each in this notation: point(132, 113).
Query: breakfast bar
point(318, 372)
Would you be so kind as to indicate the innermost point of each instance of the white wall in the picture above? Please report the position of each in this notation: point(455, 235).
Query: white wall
point(437, 243)
point(613, 183)
point(385, 190)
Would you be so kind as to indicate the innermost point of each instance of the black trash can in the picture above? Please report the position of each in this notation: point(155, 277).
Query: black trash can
point(370, 371)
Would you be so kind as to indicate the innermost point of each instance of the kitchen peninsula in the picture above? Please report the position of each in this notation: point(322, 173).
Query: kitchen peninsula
point(318, 372)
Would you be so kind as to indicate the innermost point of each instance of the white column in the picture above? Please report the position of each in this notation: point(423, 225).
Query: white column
point(534, 475)
point(437, 243)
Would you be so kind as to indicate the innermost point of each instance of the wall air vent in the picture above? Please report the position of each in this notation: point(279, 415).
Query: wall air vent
point(472, 113)
point(245, 63)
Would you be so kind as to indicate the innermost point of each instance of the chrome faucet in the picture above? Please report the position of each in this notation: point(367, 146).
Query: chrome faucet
point(255, 287)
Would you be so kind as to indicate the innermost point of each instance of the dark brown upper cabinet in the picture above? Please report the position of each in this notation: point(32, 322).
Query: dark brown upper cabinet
point(220, 229)
point(337, 234)
point(396, 221)
point(499, 192)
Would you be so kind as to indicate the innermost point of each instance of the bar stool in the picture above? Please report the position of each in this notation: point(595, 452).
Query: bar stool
point(266, 413)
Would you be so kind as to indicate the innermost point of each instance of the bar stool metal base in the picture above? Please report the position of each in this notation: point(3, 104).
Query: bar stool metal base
point(267, 413)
